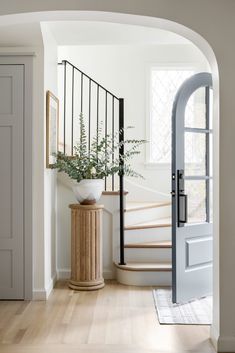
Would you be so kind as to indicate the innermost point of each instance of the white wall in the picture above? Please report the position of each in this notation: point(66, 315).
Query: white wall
point(44, 180)
point(65, 197)
point(50, 83)
point(38, 175)
point(26, 39)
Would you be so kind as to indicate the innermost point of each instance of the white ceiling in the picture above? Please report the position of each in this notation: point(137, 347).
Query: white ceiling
point(105, 33)
point(86, 33)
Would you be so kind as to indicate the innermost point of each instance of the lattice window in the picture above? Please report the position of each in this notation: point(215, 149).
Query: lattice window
point(164, 85)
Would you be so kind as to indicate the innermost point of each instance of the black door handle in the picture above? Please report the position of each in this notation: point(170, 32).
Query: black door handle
point(182, 209)
point(182, 200)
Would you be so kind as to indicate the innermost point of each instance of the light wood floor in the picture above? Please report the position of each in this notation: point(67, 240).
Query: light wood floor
point(116, 319)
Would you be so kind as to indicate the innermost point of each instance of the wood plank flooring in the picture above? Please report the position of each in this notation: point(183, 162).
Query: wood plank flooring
point(116, 319)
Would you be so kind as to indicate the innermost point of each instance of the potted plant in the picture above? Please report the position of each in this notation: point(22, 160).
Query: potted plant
point(89, 167)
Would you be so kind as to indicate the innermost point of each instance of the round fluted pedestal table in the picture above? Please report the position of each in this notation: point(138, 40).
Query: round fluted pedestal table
point(86, 247)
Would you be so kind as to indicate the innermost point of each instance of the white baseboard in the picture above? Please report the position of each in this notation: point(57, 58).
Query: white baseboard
point(39, 294)
point(44, 293)
point(226, 344)
point(222, 343)
point(64, 273)
point(51, 285)
point(214, 336)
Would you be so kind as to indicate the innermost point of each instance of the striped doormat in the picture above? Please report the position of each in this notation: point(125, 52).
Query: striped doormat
point(196, 312)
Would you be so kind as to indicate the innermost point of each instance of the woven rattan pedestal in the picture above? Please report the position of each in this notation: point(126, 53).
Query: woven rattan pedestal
point(86, 247)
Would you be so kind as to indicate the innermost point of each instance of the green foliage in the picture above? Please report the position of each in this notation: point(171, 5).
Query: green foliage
point(103, 158)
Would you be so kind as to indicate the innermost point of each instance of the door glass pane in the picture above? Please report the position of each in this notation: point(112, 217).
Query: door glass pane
point(195, 112)
point(196, 191)
point(165, 83)
point(195, 153)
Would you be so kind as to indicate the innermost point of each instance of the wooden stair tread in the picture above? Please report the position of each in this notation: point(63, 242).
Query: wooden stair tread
point(137, 206)
point(139, 266)
point(157, 223)
point(150, 245)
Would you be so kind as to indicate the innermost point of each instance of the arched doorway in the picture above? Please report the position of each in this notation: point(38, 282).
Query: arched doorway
point(151, 22)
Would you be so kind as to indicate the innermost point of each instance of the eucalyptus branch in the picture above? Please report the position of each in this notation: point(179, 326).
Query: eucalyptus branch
point(103, 158)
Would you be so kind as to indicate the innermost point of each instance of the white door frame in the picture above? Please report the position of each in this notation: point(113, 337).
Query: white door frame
point(27, 62)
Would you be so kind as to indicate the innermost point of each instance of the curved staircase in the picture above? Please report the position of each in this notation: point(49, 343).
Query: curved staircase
point(147, 244)
point(147, 224)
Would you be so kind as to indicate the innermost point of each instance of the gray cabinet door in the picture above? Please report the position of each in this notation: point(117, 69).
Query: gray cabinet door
point(11, 181)
point(192, 189)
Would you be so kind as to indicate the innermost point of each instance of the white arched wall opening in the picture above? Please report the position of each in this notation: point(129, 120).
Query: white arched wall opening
point(161, 23)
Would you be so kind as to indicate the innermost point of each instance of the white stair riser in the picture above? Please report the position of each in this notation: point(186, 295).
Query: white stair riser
point(147, 214)
point(144, 278)
point(147, 255)
point(147, 235)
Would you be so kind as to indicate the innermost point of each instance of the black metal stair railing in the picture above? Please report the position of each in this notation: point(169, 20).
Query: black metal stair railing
point(82, 94)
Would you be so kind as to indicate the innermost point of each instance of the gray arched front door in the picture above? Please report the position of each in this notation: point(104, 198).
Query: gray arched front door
point(191, 185)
